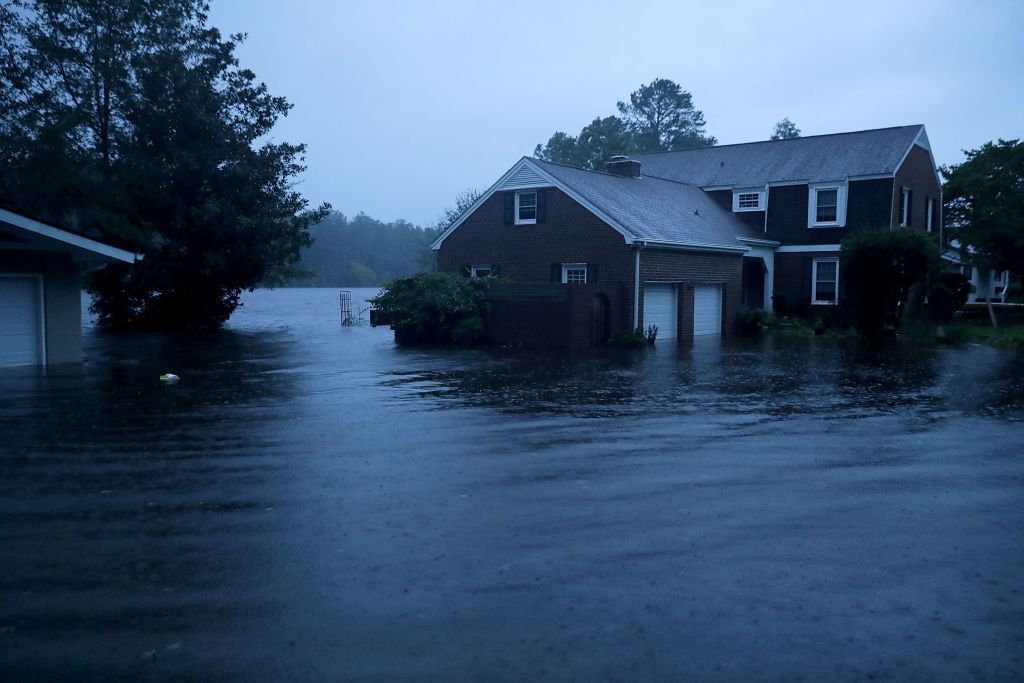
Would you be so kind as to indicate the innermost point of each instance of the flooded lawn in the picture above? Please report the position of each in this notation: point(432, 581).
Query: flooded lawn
point(310, 502)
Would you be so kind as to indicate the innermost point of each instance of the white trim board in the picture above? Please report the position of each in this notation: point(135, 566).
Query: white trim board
point(69, 238)
point(807, 248)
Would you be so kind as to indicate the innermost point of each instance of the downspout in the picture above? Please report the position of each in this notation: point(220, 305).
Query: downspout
point(766, 190)
point(636, 285)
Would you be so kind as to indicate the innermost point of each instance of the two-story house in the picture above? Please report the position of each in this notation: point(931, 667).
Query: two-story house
point(684, 239)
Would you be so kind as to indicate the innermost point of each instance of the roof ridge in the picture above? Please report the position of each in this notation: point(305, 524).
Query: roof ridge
point(613, 175)
point(802, 137)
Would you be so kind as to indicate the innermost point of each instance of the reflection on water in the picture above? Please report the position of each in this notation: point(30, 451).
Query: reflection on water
point(311, 501)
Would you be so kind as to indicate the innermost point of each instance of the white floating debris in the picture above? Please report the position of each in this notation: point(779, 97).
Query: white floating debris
point(169, 377)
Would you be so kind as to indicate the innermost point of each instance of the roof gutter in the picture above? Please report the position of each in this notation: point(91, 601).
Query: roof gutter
point(684, 246)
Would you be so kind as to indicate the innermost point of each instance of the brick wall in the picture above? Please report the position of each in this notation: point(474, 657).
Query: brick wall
point(688, 269)
point(918, 174)
point(525, 254)
point(534, 315)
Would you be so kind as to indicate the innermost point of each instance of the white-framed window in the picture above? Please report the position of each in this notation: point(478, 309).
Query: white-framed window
point(574, 273)
point(826, 205)
point(480, 270)
point(825, 282)
point(526, 207)
point(930, 213)
point(748, 200)
point(904, 207)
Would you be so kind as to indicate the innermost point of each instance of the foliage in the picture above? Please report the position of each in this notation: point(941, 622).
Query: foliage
point(597, 142)
point(435, 308)
point(947, 294)
point(879, 268)
point(137, 125)
point(785, 130)
point(659, 116)
point(984, 206)
point(630, 338)
point(362, 252)
point(966, 332)
point(450, 214)
point(651, 334)
point(751, 321)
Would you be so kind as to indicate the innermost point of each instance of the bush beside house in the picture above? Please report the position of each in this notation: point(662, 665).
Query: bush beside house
point(435, 308)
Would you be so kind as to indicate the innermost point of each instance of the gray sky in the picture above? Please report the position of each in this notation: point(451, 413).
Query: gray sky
point(404, 104)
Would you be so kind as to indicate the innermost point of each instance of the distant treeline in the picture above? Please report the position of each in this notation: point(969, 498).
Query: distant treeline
point(363, 252)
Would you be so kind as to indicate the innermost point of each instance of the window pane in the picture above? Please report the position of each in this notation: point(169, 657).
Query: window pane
point(576, 276)
point(527, 213)
point(748, 200)
point(827, 197)
point(825, 274)
point(527, 199)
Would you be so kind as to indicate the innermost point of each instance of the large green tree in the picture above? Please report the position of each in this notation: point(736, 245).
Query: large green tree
point(599, 141)
point(984, 207)
point(659, 116)
point(133, 121)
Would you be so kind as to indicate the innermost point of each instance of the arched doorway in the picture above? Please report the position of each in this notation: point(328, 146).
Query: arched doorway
point(599, 330)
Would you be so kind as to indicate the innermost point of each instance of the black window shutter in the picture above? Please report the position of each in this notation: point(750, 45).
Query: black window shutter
point(910, 206)
point(466, 272)
point(542, 206)
point(808, 285)
point(556, 272)
point(495, 270)
point(510, 208)
point(591, 273)
point(903, 201)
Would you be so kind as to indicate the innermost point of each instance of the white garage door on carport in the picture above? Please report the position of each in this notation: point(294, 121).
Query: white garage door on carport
point(21, 340)
point(707, 310)
point(661, 309)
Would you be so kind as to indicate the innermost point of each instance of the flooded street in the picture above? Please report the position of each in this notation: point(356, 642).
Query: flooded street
point(312, 503)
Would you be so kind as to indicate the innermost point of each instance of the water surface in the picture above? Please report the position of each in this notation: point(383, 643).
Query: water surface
point(311, 502)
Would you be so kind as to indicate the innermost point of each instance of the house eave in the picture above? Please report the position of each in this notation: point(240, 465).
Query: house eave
point(82, 248)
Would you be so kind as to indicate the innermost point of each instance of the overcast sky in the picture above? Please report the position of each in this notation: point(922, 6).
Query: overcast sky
point(404, 104)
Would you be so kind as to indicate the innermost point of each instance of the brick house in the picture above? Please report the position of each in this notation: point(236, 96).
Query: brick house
point(684, 239)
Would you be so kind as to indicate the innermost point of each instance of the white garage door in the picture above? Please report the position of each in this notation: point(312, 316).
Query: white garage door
point(20, 335)
point(707, 310)
point(660, 309)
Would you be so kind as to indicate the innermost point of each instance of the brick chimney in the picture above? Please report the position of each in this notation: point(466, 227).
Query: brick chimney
point(623, 166)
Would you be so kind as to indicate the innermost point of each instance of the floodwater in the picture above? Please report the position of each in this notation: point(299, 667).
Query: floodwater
point(312, 503)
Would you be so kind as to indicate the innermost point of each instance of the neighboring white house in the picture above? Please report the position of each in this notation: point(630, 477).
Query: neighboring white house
point(997, 287)
point(40, 290)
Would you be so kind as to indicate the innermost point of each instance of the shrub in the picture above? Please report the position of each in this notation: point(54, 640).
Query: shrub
point(947, 294)
point(632, 338)
point(651, 334)
point(751, 321)
point(435, 308)
point(880, 268)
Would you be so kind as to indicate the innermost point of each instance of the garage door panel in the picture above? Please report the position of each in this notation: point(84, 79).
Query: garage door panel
point(707, 310)
point(20, 333)
point(661, 309)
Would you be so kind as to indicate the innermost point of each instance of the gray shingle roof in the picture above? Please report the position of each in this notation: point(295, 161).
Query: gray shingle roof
point(656, 209)
point(814, 158)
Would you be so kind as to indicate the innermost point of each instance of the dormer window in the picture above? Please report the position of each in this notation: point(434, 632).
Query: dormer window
point(748, 200)
point(526, 208)
point(826, 206)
